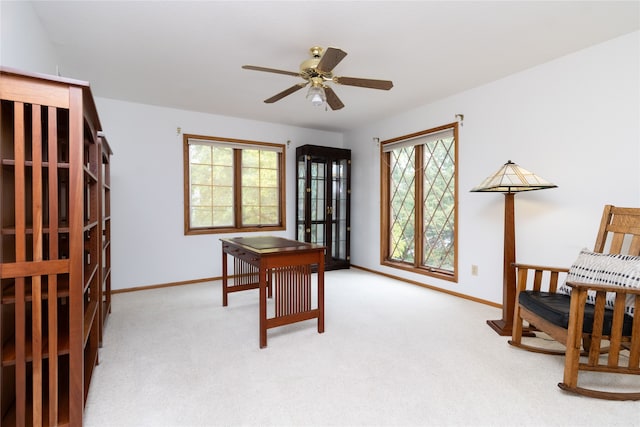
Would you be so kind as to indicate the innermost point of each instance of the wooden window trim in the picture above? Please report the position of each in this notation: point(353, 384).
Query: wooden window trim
point(385, 198)
point(237, 194)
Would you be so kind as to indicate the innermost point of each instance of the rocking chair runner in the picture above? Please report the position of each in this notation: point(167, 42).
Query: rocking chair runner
point(582, 321)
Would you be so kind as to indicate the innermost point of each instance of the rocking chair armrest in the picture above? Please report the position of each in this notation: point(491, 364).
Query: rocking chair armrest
point(541, 277)
point(540, 267)
point(602, 287)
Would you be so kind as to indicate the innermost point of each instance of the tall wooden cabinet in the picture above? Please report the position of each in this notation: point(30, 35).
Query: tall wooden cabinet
point(54, 247)
point(323, 201)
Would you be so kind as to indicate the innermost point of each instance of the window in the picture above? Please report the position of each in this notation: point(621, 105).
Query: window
point(419, 202)
point(232, 185)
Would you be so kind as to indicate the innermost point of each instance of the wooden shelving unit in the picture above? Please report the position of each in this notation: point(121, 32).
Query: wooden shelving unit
point(54, 250)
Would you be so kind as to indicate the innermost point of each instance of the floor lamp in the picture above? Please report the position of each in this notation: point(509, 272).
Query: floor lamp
point(510, 179)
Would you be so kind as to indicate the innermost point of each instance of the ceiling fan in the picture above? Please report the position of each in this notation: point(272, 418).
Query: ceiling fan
point(317, 71)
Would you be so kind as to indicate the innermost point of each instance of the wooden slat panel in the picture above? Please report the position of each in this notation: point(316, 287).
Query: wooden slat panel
point(616, 330)
point(36, 281)
point(634, 248)
point(537, 280)
point(601, 238)
point(598, 321)
point(20, 256)
point(617, 242)
point(553, 281)
point(634, 350)
point(244, 273)
point(293, 290)
point(53, 346)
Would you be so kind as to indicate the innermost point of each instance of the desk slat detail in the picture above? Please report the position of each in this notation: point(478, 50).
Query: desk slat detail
point(293, 289)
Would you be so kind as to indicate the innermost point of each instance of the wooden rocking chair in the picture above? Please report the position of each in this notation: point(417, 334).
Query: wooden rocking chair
point(596, 320)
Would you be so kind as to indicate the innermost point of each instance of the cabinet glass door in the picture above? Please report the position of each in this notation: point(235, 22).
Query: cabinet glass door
point(318, 202)
point(338, 210)
point(301, 199)
point(322, 199)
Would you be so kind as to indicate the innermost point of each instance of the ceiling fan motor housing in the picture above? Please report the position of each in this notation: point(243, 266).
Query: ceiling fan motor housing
point(309, 68)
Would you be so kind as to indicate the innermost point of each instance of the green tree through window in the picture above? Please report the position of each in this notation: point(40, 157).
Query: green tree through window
point(419, 212)
point(232, 185)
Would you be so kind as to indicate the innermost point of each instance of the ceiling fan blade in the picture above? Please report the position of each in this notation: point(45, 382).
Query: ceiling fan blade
point(270, 70)
point(285, 92)
point(332, 99)
point(368, 83)
point(331, 57)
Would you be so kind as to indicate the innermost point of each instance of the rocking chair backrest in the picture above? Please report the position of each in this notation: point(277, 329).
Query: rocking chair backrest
point(620, 231)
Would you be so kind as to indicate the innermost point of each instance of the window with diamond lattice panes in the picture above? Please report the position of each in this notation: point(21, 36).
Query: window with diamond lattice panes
point(402, 205)
point(419, 212)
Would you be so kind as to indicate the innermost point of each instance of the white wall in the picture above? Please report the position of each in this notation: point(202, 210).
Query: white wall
point(149, 245)
point(23, 44)
point(574, 121)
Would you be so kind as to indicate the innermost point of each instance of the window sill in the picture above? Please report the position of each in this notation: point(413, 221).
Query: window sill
point(438, 274)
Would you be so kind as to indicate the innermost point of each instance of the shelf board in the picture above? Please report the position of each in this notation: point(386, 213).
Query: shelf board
point(90, 174)
point(89, 225)
point(63, 228)
point(9, 349)
point(29, 163)
point(89, 277)
point(9, 291)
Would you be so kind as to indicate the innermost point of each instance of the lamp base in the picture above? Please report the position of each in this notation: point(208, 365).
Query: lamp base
point(506, 329)
point(501, 327)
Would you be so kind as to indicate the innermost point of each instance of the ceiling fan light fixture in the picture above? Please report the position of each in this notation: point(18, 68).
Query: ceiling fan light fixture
point(316, 95)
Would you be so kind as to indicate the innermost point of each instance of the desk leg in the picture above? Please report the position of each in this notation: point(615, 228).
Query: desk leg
point(321, 295)
point(224, 278)
point(263, 307)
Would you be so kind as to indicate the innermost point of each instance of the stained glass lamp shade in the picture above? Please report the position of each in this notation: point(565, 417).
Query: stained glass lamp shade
point(511, 178)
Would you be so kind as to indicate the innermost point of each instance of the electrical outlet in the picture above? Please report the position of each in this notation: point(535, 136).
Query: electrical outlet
point(474, 270)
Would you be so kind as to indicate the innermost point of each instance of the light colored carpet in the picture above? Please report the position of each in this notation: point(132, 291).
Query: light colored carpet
point(392, 354)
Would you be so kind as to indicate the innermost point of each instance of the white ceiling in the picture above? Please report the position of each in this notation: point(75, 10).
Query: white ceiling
point(188, 55)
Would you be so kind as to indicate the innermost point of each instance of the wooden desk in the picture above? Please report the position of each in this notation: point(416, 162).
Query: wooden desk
point(267, 262)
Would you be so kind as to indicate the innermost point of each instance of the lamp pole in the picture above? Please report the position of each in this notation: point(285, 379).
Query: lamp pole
point(504, 326)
